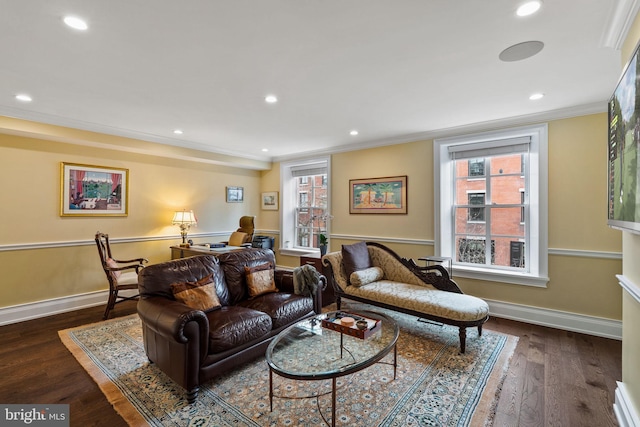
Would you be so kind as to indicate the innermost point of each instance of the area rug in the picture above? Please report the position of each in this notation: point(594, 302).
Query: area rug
point(435, 384)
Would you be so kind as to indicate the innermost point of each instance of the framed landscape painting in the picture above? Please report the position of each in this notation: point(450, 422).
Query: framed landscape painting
point(87, 190)
point(378, 195)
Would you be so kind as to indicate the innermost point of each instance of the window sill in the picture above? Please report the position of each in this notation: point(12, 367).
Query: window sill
point(298, 252)
point(499, 276)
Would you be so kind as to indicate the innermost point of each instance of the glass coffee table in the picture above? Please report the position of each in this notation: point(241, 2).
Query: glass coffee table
point(309, 351)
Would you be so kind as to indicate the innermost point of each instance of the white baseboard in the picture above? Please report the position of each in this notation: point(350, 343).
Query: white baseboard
point(35, 310)
point(624, 409)
point(590, 325)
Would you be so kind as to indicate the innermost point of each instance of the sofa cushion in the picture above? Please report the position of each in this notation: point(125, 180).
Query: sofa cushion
point(233, 326)
point(366, 276)
point(355, 257)
point(199, 295)
point(260, 279)
point(283, 308)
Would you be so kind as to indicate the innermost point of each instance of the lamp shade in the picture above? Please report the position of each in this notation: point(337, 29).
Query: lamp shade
point(184, 217)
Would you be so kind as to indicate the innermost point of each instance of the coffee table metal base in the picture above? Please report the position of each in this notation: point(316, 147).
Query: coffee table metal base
point(333, 386)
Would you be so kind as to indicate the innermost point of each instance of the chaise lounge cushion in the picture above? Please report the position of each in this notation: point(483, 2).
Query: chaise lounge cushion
point(448, 305)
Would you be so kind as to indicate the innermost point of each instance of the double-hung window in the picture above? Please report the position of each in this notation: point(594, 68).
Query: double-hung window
point(305, 204)
point(491, 204)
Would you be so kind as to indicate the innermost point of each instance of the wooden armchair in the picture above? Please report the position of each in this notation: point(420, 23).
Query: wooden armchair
point(121, 274)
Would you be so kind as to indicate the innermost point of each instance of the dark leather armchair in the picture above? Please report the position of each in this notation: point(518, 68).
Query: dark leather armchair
point(193, 346)
point(121, 274)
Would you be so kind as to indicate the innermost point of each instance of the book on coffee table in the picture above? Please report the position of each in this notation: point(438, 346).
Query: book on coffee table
point(348, 323)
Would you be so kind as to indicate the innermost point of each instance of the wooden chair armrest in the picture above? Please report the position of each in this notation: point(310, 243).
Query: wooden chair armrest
point(138, 260)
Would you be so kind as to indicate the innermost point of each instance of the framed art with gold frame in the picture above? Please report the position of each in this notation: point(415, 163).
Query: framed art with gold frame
point(386, 195)
point(88, 190)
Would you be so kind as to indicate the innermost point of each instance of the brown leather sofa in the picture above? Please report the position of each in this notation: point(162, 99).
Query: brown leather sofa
point(192, 346)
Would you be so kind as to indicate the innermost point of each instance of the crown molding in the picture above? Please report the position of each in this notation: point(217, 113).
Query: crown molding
point(621, 17)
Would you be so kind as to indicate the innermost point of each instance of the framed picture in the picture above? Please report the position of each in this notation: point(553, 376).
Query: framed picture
point(87, 190)
point(269, 201)
point(378, 195)
point(235, 194)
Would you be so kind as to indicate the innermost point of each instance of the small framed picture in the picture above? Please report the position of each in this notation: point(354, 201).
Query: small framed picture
point(269, 201)
point(235, 194)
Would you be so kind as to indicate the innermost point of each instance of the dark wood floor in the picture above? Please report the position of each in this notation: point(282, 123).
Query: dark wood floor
point(556, 378)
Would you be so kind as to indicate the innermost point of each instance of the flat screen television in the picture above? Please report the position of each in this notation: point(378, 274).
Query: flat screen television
point(624, 139)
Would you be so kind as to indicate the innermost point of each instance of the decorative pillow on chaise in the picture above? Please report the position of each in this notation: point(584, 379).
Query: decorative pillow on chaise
point(366, 276)
point(200, 295)
point(260, 279)
point(355, 257)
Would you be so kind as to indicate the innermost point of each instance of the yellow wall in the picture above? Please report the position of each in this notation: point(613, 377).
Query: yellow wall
point(30, 171)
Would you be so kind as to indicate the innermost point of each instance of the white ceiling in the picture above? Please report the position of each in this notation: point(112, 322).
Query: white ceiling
point(395, 70)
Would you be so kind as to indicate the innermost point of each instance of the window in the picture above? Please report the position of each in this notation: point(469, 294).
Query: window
point(305, 204)
point(492, 187)
point(476, 214)
point(476, 167)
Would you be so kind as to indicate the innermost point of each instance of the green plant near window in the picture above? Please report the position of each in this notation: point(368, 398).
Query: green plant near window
point(322, 238)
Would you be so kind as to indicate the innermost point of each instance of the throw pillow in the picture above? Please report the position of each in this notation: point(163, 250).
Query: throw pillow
point(355, 257)
point(111, 263)
point(260, 279)
point(237, 238)
point(366, 276)
point(199, 295)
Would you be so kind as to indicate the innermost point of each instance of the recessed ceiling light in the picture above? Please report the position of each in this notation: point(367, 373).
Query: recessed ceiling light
point(536, 96)
point(353, 132)
point(178, 132)
point(271, 99)
point(76, 23)
point(264, 150)
point(528, 8)
point(23, 97)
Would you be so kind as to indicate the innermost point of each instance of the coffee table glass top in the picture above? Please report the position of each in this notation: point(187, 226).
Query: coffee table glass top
point(307, 350)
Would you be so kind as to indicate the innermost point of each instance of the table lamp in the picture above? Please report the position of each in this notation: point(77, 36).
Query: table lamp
point(184, 219)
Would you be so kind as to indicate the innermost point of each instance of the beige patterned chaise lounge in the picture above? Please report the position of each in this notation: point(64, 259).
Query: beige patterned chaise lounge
point(399, 284)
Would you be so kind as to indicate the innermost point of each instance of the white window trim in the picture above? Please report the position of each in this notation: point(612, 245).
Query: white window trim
point(288, 199)
point(538, 184)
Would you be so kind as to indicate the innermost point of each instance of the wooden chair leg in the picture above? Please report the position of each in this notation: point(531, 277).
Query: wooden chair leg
point(110, 304)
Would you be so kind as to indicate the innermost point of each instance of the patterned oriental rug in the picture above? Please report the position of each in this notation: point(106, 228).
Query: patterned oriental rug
point(435, 385)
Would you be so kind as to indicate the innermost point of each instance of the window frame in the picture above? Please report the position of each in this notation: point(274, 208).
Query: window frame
point(289, 202)
point(536, 215)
